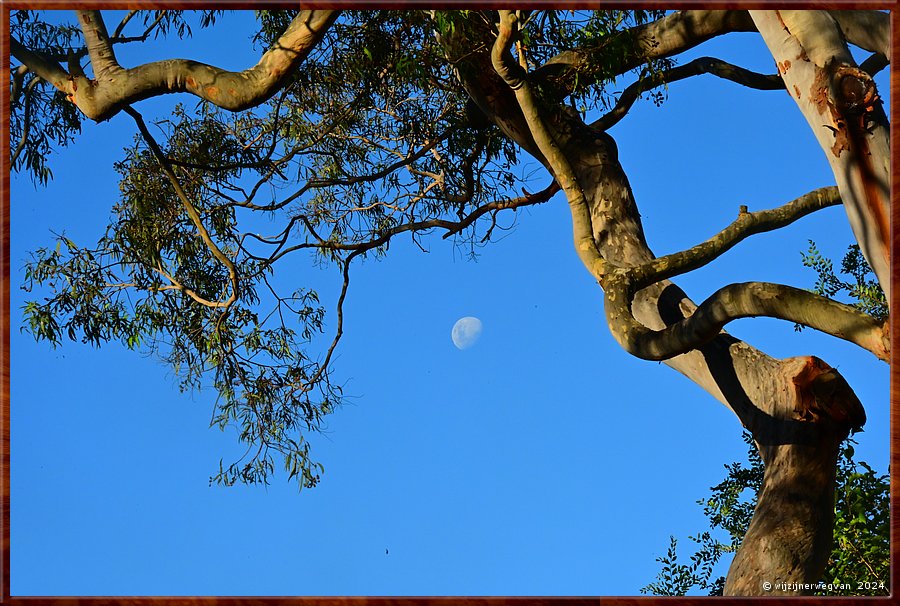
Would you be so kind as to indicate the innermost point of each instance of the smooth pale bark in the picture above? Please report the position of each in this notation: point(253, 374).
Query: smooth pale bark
point(869, 30)
point(114, 87)
point(841, 105)
point(798, 409)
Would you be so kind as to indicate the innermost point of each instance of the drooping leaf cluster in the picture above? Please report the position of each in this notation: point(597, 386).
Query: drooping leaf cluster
point(41, 119)
point(861, 549)
point(136, 286)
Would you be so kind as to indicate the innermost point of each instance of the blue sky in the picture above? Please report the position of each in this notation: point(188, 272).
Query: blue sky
point(544, 460)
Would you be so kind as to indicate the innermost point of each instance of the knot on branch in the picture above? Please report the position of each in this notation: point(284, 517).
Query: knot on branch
point(854, 90)
point(824, 395)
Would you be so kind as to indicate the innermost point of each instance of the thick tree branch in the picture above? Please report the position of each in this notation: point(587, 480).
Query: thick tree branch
point(744, 300)
point(869, 30)
point(840, 103)
point(703, 65)
point(736, 300)
point(115, 89)
point(554, 156)
point(659, 39)
point(99, 47)
point(874, 64)
point(40, 64)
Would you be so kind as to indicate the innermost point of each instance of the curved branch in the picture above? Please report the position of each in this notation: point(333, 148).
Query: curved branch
point(117, 88)
point(747, 224)
point(743, 300)
point(735, 301)
point(874, 64)
point(511, 72)
point(557, 161)
point(671, 35)
point(703, 65)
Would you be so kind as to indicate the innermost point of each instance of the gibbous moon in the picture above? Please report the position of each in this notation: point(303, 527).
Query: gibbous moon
point(466, 332)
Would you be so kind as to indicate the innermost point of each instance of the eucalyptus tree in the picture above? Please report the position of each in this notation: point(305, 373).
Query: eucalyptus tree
point(356, 127)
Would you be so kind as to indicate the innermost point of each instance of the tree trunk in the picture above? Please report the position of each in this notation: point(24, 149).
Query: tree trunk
point(798, 409)
point(841, 105)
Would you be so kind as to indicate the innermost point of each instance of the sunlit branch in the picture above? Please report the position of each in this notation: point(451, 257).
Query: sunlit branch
point(867, 29)
point(743, 300)
point(559, 164)
point(102, 98)
point(735, 301)
point(666, 37)
point(747, 224)
point(103, 58)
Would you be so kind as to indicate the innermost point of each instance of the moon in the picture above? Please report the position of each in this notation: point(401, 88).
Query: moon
point(466, 332)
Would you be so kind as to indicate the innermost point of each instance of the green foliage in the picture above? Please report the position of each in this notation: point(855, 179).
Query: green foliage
point(861, 550)
point(132, 287)
point(605, 37)
point(862, 289)
point(862, 528)
point(373, 137)
point(41, 118)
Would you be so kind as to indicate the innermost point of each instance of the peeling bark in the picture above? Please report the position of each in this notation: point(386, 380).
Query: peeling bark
point(841, 104)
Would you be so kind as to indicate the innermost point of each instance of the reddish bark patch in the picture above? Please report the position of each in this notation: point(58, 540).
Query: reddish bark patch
point(212, 92)
point(855, 99)
point(783, 66)
point(822, 393)
point(841, 139)
point(797, 91)
point(819, 91)
point(190, 82)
